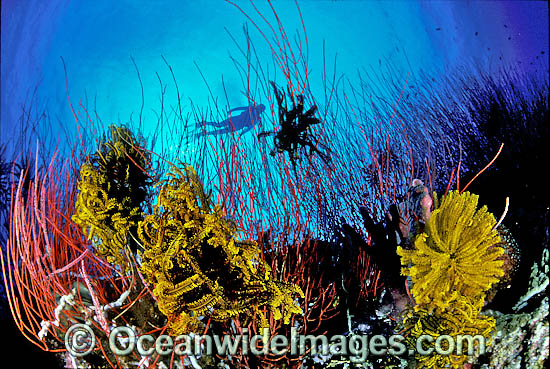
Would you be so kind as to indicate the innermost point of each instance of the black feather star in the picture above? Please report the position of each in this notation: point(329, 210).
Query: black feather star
point(294, 135)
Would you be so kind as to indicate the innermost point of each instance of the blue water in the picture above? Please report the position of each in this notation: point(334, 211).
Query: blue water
point(97, 40)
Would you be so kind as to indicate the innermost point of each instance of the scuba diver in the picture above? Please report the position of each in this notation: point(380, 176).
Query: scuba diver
point(243, 122)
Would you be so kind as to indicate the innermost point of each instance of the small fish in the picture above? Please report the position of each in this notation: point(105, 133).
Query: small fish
point(476, 33)
point(438, 29)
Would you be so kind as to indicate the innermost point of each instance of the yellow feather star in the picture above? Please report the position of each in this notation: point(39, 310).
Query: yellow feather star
point(197, 266)
point(456, 255)
point(462, 317)
point(108, 202)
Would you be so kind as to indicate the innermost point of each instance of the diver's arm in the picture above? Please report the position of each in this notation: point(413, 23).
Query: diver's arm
point(239, 108)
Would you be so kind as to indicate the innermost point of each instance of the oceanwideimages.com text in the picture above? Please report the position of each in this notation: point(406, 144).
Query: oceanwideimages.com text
point(80, 340)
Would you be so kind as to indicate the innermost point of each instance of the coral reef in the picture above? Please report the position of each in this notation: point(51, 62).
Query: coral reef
point(521, 340)
point(538, 281)
point(350, 243)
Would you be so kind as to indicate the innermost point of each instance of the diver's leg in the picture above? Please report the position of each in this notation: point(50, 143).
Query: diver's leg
point(214, 124)
point(213, 133)
point(222, 131)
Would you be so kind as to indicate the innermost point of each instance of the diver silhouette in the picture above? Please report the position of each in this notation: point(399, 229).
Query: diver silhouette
point(243, 122)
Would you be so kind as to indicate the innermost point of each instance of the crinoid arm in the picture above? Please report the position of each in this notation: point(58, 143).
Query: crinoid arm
point(266, 133)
